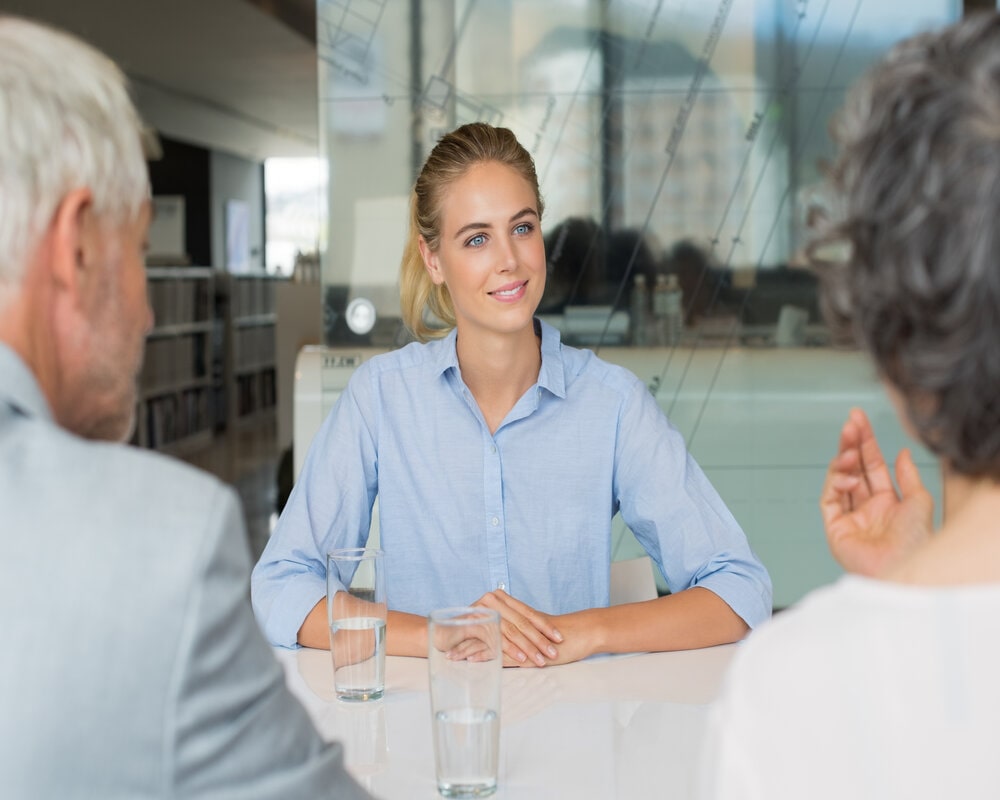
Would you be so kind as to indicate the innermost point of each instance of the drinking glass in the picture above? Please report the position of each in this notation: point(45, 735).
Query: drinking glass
point(465, 660)
point(356, 611)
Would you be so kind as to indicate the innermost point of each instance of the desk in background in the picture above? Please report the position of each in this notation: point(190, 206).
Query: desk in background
point(610, 727)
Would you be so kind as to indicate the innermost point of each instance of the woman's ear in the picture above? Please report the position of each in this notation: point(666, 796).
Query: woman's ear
point(431, 262)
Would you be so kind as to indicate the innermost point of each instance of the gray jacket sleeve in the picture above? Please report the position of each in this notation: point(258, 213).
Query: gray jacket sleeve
point(237, 731)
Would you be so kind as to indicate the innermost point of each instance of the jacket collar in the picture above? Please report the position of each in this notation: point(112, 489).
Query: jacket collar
point(18, 387)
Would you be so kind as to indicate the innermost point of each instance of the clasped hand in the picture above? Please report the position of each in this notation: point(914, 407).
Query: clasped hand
point(530, 638)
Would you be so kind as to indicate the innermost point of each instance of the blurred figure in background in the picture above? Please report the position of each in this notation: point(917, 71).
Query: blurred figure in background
point(574, 252)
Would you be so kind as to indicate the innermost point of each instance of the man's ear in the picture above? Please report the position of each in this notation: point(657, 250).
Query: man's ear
point(431, 262)
point(74, 237)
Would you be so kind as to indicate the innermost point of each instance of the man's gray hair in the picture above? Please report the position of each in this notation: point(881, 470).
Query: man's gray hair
point(66, 122)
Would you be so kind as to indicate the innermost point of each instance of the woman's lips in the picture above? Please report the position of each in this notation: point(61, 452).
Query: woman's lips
point(510, 291)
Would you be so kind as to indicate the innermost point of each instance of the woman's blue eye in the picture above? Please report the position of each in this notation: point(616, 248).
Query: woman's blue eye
point(477, 241)
point(523, 228)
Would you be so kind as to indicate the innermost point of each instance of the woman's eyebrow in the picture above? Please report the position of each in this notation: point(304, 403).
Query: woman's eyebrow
point(479, 226)
point(526, 211)
point(472, 226)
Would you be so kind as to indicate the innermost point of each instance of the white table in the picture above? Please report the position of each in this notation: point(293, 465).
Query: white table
point(610, 727)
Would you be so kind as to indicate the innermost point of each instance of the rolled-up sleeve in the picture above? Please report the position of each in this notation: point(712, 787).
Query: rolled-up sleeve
point(678, 516)
point(329, 507)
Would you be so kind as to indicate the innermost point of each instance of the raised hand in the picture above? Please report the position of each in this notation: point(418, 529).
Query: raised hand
point(869, 525)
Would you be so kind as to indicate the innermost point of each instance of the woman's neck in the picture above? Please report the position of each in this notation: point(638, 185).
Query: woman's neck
point(967, 548)
point(499, 369)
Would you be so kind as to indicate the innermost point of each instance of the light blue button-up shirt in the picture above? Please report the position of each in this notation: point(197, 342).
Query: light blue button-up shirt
point(528, 508)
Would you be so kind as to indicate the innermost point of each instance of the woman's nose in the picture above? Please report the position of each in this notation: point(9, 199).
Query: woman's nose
point(507, 257)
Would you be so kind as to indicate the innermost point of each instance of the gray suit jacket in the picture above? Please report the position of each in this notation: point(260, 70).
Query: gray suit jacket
point(131, 665)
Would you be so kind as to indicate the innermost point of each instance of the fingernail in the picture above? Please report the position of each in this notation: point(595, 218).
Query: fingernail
point(521, 656)
point(557, 635)
point(552, 651)
point(540, 660)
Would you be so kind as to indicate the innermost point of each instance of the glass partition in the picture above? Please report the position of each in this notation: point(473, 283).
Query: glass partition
point(672, 139)
point(678, 145)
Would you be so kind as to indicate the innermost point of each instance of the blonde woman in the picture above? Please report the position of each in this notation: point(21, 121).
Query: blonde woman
point(499, 455)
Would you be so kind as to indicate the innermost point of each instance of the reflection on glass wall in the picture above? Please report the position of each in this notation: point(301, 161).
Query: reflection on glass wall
point(678, 144)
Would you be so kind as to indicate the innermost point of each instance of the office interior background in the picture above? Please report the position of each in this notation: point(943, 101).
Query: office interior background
point(679, 145)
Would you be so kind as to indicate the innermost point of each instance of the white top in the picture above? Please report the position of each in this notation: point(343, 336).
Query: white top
point(865, 690)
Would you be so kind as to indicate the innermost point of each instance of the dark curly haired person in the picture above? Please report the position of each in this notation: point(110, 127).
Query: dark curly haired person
point(884, 685)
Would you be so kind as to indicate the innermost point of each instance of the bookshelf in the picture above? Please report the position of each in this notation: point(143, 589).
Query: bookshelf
point(252, 321)
point(176, 387)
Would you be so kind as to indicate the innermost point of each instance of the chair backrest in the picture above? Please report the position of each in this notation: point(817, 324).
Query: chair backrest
point(632, 580)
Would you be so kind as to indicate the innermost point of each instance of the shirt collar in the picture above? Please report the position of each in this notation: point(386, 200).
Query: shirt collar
point(18, 387)
point(447, 354)
point(552, 375)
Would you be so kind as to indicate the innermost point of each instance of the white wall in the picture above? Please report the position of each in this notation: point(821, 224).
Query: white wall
point(235, 178)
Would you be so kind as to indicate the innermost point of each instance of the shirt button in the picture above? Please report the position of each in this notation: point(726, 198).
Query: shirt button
point(495, 521)
point(501, 585)
point(493, 449)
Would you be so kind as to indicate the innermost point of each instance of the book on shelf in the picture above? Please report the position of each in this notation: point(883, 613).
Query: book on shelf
point(177, 416)
point(173, 361)
point(253, 347)
point(253, 296)
point(180, 301)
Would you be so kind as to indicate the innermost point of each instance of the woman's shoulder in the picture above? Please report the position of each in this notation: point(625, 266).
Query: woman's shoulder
point(414, 355)
point(581, 364)
point(847, 615)
point(803, 638)
point(585, 367)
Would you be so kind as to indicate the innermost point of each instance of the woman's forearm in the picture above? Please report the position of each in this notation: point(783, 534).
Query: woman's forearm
point(406, 634)
point(690, 619)
point(315, 630)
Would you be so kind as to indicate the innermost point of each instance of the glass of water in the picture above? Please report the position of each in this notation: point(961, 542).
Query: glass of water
point(465, 661)
point(356, 611)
